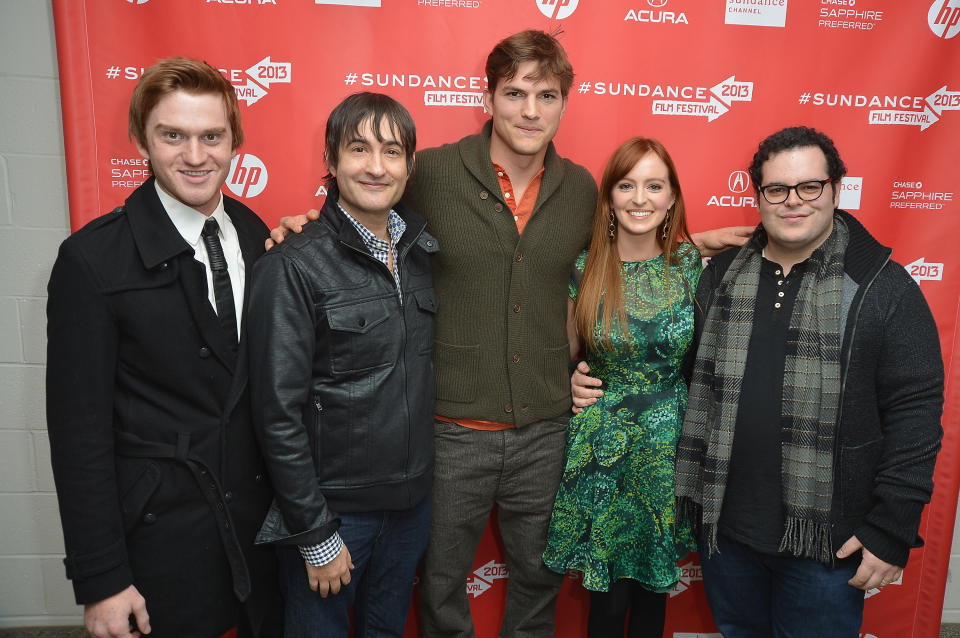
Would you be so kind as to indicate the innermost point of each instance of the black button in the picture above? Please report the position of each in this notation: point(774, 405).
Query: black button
point(362, 322)
point(228, 497)
point(204, 352)
point(150, 518)
point(258, 478)
point(164, 266)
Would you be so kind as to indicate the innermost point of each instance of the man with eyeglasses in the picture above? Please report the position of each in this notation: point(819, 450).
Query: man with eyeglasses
point(813, 424)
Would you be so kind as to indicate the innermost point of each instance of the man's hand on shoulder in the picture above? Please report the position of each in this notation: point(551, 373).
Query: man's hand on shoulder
point(711, 242)
point(329, 578)
point(110, 617)
point(292, 224)
point(873, 571)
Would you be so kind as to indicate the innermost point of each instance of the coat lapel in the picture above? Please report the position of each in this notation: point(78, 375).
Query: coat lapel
point(158, 241)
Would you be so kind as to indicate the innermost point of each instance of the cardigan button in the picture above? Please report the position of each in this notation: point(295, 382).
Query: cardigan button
point(516, 307)
point(508, 407)
point(484, 195)
point(519, 256)
point(498, 207)
point(516, 358)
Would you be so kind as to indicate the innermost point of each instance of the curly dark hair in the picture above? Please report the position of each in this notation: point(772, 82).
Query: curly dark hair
point(795, 137)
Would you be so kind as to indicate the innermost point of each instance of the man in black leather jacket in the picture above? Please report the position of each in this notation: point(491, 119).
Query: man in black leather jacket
point(341, 334)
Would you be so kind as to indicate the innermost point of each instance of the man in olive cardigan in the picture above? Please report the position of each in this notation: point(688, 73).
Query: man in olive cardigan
point(511, 216)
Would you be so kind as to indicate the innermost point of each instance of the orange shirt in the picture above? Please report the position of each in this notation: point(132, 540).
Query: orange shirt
point(522, 211)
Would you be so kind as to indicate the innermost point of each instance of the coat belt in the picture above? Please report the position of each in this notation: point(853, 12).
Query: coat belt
point(130, 445)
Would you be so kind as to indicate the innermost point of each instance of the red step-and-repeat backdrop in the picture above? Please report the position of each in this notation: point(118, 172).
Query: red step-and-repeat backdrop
point(709, 79)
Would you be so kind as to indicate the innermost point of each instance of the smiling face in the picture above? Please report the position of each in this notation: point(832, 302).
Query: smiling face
point(371, 173)
point(640, 201)
point(526, 114)
point(795, 228)
point(189, 144)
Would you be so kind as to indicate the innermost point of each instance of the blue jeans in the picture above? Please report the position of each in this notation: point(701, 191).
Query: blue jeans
point(754, 595)
point(385, 548)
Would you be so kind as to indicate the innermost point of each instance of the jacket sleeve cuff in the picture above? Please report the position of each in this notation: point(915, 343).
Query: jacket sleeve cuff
point(885, 547)
point(322, 553)
point(93, 589)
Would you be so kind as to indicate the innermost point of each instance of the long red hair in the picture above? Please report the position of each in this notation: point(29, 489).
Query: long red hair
point(601, 284)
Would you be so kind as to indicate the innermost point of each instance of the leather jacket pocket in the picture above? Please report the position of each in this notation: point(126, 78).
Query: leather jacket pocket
point(137, 480)
point(421, 332)
point(361, 336)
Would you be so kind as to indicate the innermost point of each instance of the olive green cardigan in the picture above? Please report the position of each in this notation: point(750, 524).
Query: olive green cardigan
point(501, 349)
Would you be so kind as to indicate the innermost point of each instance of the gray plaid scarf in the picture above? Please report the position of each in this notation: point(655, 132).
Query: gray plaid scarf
point(811, 395)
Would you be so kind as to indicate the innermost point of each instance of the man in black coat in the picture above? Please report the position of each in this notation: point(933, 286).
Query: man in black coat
point(159, 478)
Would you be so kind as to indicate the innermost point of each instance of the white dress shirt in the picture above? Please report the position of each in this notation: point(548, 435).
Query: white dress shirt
point(189, 222)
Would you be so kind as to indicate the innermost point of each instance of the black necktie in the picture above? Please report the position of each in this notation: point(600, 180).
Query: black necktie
point(222, 290)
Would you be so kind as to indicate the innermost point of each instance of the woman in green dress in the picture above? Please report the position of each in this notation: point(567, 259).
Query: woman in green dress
point(631, 309)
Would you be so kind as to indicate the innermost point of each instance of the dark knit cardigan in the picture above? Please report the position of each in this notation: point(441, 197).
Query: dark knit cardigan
point(501, 348)
point(891, 398)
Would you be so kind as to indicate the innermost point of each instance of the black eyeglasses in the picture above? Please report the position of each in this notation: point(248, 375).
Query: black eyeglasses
point(807, 191)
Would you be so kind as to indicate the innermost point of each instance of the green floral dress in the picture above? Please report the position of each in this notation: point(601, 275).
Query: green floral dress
point(614, 513)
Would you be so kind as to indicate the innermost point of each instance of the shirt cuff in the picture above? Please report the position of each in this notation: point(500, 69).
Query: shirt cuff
point(322, 553)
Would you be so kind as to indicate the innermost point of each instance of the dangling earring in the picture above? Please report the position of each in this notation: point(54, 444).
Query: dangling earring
point(612, 227)
point(666, 222)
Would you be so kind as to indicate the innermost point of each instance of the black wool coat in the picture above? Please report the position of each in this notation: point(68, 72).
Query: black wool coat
point(159, 478)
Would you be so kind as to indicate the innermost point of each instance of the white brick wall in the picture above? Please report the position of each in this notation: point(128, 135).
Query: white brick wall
point(33, 222)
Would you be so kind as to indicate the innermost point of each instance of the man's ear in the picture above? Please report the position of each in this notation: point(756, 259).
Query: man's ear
point(330, 168)
point(487, 101)
point(144, 153)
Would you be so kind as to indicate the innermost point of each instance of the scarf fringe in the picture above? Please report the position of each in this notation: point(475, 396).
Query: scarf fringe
point(689, 511)
point(807, 539)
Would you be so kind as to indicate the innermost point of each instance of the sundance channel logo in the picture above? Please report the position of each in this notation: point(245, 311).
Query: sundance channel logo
point(756, 13)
